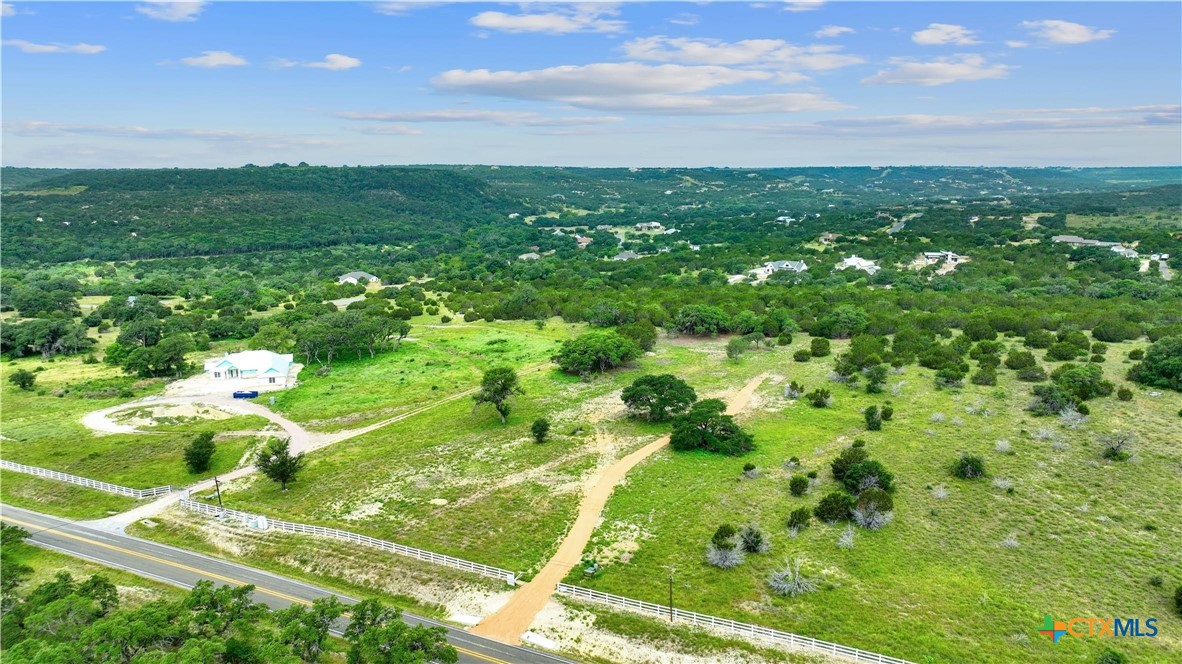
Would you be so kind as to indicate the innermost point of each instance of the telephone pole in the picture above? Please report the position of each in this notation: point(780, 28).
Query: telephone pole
point(671, 569)
point(218, 488)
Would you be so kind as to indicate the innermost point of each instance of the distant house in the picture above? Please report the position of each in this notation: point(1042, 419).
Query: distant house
point(779, 266)
point(531, 256)
point(828, 238)
point(357, 278)
point(251, 368)
point(625, 256)
point(558, 231)
point(603, 227)
point(583, 241)
point(786, 219)
point(937, 256)
point(670, 231)
point(869, 267)
point(1077, 241)
point(649, 226)
point(1125, 252)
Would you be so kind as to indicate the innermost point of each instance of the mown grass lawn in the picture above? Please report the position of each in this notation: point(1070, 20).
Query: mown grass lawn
point(936, 584)
point(43, 427)
point(435, 361)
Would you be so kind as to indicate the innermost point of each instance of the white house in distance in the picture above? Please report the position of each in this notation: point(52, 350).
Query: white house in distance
point(357, 278)
point(779, 266)
point(253, 370)
point(650, 226)
point(1125, 252)
point(869, 267)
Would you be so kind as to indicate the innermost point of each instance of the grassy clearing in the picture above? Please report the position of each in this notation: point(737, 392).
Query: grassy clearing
point(348, 569)
point(436, 361)
point(1148, 220)
point(59, 498)
point(458, 482)
point(43, 427)
point(936, 584)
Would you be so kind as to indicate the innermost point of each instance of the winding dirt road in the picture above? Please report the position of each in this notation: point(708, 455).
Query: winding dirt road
point(515, 617)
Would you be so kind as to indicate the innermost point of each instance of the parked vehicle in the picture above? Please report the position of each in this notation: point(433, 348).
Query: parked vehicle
point(246, 394)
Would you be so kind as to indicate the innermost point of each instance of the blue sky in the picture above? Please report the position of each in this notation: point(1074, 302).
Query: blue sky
point(118, 84)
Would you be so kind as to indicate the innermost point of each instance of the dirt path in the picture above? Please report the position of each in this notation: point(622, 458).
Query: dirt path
point(513, 619)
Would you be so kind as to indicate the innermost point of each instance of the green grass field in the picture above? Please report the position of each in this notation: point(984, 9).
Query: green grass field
point(59, 498)
point(43, 427)
point(936, 584)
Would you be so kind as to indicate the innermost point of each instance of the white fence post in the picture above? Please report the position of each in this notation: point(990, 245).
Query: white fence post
point(787, 638)
point(85, 481)
point(333, 533)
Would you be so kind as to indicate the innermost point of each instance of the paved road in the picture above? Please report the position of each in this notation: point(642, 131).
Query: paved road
point(184, 568)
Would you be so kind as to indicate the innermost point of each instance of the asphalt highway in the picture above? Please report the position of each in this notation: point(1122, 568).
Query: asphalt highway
point(183, 568)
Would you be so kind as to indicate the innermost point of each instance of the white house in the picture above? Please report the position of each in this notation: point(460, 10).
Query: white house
point(869, 267)
point(933, 257)
point(626, 256)
point(357, 278)
point(777, 266)
point(1124, 251)
point(252, 369)
point(649, 226)
point(670, 231)
point(531, 256)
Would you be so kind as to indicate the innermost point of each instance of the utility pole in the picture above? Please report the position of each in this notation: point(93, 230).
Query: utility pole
point(218, 488)
point(671, 569)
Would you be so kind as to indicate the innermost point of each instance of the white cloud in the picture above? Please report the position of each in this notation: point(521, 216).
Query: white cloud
point(176, 12)
point(749, 52)
point(632, 87)
point(335, 62)
point(500, 118)
point(6, 9)
point(685, 19)
point(601, 79)
point(388, 130)
point(558, 21)
point(212, 59)
point(1015, 43)
point(830, 31)
point(52, 129)
point(55, 47)
point(952, 69)
point(1065, 32)
point(401, 8)
point(804, 5)
point(937, 34)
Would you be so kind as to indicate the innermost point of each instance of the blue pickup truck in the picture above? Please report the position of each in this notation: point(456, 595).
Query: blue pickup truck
point(246, 394)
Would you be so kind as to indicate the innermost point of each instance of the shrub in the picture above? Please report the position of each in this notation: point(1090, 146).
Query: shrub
point(887, 412)
point(1085, 382)
point(1072, 417)
point(1062, 351)
point(848, 458)
point(799, 519)
point(1039, 339)
point(873, 418)
point(658, 397)
point(969, 467)
point(199, 453)
point(951, 376)
point(1032, 375)
point(783, 338)
point(1162, 366)
point(1178, 599)
point(985, 376)
point(1003, 447)
point(798, 485)
point(595, 351)
point(1124, 394)
point(1110, 656)
point(724, 536)
point(1020, 359)
point(846, 539)
point(866, 475)
point(794, 390)
point(1049, 400)
point(802, 355)
point(540, 429)
point(1099, 348)
point(789, 582)
point(750, 472)
point(736, 347)
point(1116, 446)
point(812, 474)
point(752, 539)
point(834, 507)
point(819, 347)
point(820, 398)
point(1137, 354)
point(724, 558)
point(873, 509)
point(23, 379)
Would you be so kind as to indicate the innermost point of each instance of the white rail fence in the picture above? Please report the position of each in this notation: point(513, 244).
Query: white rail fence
point(86, 481)
point(766, 633)
point(265, 523)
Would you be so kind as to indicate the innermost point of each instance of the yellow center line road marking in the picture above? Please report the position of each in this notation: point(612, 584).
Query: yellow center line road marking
point(206, 573)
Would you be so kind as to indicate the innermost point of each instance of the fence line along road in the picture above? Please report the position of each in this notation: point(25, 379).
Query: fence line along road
point(689, 617)
point(86, 481)
point(264, 523)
